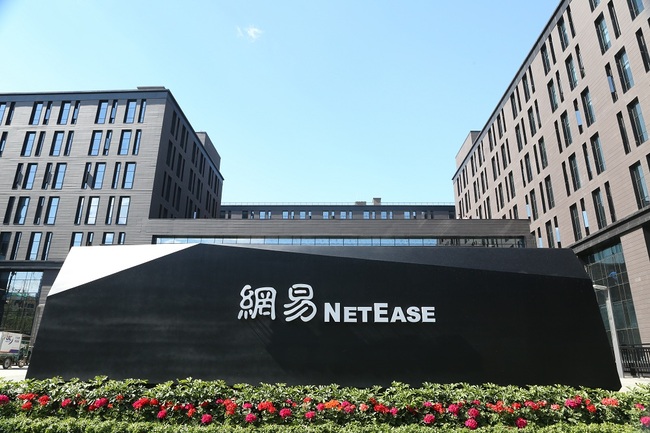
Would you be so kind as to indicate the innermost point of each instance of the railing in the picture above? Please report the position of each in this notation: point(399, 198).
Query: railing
point(636, 360)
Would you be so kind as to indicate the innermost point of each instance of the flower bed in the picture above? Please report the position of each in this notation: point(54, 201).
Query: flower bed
point(197, 404)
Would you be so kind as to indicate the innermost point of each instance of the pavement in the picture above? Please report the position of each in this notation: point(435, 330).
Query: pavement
point(18, 373)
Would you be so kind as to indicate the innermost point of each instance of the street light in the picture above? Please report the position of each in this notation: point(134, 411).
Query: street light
point(612, 327)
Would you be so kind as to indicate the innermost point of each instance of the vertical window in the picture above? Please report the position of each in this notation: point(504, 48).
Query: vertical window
point(57, 144)
point(575, 223)
point(533, 204)
point(109, 210)
point(594, 4)
point(95, 142)
point(566, 129)
point(597, 150)
point(612, 16)
point(68, 143)
point(64, 113)
point(80, 210)
point(59, 175)
point(86, 176)
point(48, 112)
point(575, 175)
point(39, 145)
point(636, 6)
point(136, 143)
point(562, 33)
point(542, 152)
point(552, 96)
point(89, 238)
point(579, 59)
point(524, 82)
point(639, 186)
point(28, 144)
point(21, 210)
point(46, 246)
point(624, 70)
point(37, 109)
point(638, 124)
point(590, 115)
point(3, 142)
point(52, 207)
point(5, 238)
point(610, 81)
point(601, 217)
point(587, 163)
point(18, 177)
point(545, 60)
point(549, 235)
point(77, 239)
point(10, 114)
point(643, 49)
point(108, 237)
point(3, 107)
point(75, 113)
point(39, 210)
point(610, 202)
point(123, 210)
point(98, 178)
point(9, 210)
point(30, 175)
point(16, 246)
point(33, 246)
point(101, 112)
point(549, 192)
point(571, 72)
point(107, 142)
point(91, 213)
point(125, 143)
point(47, 177)
point(129, 175)
point(623, 131)
point(143, 108)
point(603, 34)
point(121, 238)
point(529, 170)
point(116, 175)
point(531, 122)
point(113, 112)
point(129, 114)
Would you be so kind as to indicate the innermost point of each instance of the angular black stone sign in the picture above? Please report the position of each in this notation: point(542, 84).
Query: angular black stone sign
point(317, 315)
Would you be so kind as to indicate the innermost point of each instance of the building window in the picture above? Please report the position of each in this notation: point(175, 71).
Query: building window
point(109, 210)
point(545, 60)
point(590, 115)
point(46, 246)
point(30, 175)
point(93, 207)
point(638, 124)
point(33, 246)
point(52, 207)
point(639, 186)
point(64, 113)
point(111, 119)
point(3, 142)
point(610, 202)
point(21, 210)
point(39, 210)
point(101, 112)
point(98, 179)
point(531, 122)
point(533, 204)
point(594, 4)
point(143, 108)
point(575, 175)
point(80, 210)
point(549, 192)
point(125, 143)
point(636, 6)
point(3, 107)
point(116, 177)
point(571, 72)
point(121, 238)
point(68, 143)
point(57, 144)
point(5, 238)
point(597, 150)
point(108, 237)
point(59, 175)
point(566, 129)
point(9, 210)
point(601, 218)
point(77, 239)
point(603, 34)
point(624, 70)
point(575, 223)
point(95, 143)
point(75, 113)
point(612, 16)
point(129, 175)
point(37, 109)
point(10, 114)
point(562, 33)
point(552, 96)
point(643, 49)
point(129, 114)
point(123, 210)
point(610, 81)
point(89, 238)
point(136, 143)
point(28, 144)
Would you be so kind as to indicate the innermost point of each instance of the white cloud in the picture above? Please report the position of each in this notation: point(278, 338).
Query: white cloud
point(251, 33)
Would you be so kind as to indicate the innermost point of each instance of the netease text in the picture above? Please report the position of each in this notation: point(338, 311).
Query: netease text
point(379, 312)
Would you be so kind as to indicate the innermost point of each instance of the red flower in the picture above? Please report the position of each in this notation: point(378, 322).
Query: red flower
point(473, 412)
point(162, 414)
point(251, 418)
point(310, 415)
point(320, 407)
point(100, 402)
point(380, 408)
point(267, 406)
point(191, 411)
point(591, 408)
point(140, 403)
point(471, 424)
point(521, 423)
point(439, 408)
point(285, 413)
point(205, 404)
point(428, 419)
point(4, 399)
point(453, 409)
point(29, 396)
point(609, 401)
point(27, 405)
point(516, 405)
point(645, 421)
point(231, 406)
point(119, 397)
point(43, 400)
point(65, 403)
point(206, 418)
point(307, 400)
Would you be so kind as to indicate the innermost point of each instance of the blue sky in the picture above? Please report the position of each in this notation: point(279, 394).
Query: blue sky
point(306, 101)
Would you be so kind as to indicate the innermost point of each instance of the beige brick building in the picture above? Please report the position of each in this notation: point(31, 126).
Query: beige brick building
point(567, 147)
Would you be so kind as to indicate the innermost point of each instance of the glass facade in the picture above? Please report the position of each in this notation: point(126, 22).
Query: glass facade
point(19, 294)
point(607, 268)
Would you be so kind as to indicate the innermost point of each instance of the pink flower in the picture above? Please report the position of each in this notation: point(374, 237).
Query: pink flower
point(65, 403)
point(363, 407)
point(251, 418)
point(521, 423)
point(471, 424)
point(247, 405)
point(645, 421)
point(429, 418)
point(473, 412)
point(4, 399)
point(310, 415)
point(453, 409)
point(162, 414)
point(100, 402)
point(285, 413)
point(571, 403)
point(206, 418)
point(350, 408)
point(320, 407)
point(427, 404)
point(555, 407)
point(639, 406)
point(393, 411)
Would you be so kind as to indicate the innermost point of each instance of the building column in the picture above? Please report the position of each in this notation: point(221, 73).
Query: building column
point(637, 260)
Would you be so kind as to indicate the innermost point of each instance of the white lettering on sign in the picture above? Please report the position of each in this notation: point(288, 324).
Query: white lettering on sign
point(261, 302)
point(380, 313)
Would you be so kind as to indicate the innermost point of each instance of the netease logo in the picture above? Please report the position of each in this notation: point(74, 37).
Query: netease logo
point(261, 302)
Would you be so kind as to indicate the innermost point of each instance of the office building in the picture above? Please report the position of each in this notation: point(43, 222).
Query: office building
point(567, 147)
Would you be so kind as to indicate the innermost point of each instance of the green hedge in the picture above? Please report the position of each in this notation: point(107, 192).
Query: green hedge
point(103, 405)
